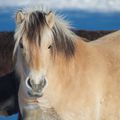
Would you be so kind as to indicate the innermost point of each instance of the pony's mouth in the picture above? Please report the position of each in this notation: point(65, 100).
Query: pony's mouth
point(35, 94)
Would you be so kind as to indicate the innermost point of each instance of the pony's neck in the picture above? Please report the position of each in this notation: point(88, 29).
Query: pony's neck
point(64, 69)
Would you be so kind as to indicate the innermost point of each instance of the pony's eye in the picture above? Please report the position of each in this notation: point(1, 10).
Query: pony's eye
point(49, 46)
point(21, 45)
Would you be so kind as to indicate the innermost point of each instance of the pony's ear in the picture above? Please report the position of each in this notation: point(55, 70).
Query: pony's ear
point(50, 19)
point(19, 17)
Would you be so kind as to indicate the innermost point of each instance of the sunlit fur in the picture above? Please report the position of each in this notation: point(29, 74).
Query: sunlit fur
point(83, 83)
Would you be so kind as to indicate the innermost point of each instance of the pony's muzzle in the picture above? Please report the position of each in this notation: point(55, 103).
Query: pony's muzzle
point(35, 90)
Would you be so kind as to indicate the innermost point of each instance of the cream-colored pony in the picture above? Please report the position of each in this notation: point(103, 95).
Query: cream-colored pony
point(60, 72)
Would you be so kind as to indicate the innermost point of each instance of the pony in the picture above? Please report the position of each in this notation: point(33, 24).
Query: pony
point(60, 72)
point(8, 101)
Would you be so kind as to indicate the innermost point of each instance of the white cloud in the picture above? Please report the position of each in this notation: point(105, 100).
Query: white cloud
point(91, 5)
point(4, 3)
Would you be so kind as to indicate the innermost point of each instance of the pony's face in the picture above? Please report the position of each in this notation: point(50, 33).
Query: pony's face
point(33, 50)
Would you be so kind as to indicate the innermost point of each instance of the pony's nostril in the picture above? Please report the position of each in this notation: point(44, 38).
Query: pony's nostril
point(43, 83)
point(29, 83)
point(36, 87)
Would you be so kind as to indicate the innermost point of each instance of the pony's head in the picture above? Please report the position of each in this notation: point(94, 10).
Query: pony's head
point(39, 38)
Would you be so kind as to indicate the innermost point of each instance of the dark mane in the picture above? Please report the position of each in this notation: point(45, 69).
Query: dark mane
point(33, 24)
point(63, 42)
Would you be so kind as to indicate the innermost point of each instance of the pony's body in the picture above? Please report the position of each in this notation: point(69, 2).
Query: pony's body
point(83, 78)
point(9, 80)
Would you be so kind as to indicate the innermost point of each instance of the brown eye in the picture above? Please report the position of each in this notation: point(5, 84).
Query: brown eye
point(49, 46)
point(21, 45)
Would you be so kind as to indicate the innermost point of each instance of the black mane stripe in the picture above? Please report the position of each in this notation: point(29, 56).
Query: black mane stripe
point(34, 25)
point(63, 43)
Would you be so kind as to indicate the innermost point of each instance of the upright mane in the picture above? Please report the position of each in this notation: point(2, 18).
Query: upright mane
point(63, 37)
point(33, 26)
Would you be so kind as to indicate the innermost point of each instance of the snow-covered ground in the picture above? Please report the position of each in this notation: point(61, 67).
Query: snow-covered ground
point(89, 5)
